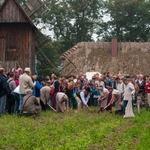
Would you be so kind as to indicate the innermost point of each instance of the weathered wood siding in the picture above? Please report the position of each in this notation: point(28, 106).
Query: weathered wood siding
point(17, 43)
point(11, 13)
point(34, 8)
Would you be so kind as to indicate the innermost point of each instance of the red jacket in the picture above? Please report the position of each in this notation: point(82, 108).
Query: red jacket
point(148, 88)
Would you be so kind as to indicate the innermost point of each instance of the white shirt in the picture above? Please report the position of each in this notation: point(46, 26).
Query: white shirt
point(101, 83)
point(17, 89)
point(120, 87)
point(59, 96)
point(115, 92)
point(84, 99)
point(105, 91)
point(129, 89)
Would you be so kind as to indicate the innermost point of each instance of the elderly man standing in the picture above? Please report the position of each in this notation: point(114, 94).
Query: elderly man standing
point(30, 105)
point(3, 91)
point(26, 83)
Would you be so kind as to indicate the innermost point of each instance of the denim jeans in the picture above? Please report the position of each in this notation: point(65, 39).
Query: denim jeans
point(21, 101)
point(70, 102)
point(2, 104)
point(17, 101)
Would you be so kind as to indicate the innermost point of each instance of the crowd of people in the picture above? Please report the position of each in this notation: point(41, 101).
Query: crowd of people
point(23, 93)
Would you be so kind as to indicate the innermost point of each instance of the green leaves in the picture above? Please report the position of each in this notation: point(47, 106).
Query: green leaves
point(129, 20)
point(73, 21)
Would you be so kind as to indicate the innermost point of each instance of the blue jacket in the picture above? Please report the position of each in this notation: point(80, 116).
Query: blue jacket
point(36, 91)
point(95, 93)
point(3, 85)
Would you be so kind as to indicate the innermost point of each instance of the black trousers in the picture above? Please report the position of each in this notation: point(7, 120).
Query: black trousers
point(10, 104)
point(43, 106)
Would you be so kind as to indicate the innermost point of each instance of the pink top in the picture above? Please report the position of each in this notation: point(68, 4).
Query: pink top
point(17, 82)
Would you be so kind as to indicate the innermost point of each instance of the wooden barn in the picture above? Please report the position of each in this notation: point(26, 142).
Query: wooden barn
point(17, 37)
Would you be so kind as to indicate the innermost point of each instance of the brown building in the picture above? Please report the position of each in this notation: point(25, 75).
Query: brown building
point(17, 37)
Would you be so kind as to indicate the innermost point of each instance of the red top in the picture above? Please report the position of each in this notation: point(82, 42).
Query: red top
point(148, 88)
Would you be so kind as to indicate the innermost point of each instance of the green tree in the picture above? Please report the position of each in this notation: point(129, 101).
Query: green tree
point(72, 21)
point(129, 20)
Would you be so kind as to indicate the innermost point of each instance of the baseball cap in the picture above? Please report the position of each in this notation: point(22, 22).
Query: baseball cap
point(27, 69)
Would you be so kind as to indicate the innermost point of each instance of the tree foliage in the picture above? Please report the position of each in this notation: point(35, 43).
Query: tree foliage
point(129, 20)
point(72, 21)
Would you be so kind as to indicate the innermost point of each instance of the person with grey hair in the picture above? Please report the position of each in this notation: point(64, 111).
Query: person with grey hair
point(3, 91)
point(30, 105)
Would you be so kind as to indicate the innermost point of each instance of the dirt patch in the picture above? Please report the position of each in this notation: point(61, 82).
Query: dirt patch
point(10, 148)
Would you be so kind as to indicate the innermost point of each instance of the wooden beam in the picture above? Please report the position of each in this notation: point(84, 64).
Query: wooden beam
point(39, 50)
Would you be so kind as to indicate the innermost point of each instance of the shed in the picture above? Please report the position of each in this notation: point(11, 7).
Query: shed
point(17, 37)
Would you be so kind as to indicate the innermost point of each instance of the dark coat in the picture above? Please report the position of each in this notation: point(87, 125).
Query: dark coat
point(3, 85)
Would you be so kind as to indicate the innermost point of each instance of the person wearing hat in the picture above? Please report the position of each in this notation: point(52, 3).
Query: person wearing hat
point(26, 83)
point(61, 102)
point(30, 105)
point(82, 98)
point(116, 97)
point(103, 98)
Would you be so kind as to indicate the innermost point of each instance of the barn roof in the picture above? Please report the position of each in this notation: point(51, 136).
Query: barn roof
point(21, 10)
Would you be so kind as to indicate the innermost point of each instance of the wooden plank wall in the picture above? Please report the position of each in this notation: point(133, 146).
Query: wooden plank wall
point(11, 13)
point(2, 48)
point(19, 37)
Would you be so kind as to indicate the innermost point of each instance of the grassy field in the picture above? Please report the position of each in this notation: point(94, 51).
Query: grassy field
point(82, 131)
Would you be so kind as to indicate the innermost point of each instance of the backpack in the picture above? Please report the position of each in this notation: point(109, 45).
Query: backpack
point(8, 87)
